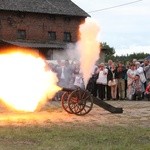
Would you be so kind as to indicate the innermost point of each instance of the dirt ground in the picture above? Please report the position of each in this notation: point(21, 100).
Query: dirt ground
point(134, 113)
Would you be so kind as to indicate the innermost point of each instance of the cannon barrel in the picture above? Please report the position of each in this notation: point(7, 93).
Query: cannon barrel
point(106, 106)
point(67, 89)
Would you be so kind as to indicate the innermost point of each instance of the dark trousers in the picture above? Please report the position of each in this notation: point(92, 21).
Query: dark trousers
point(92, 87)
point(126, 86)
point(94, 92)
point(137, 96)
point(101, 91)
point(148, 97)
point(143, 95)
point(108, 92)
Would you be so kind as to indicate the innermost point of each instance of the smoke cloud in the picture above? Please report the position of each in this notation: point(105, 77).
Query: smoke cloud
point(88, 47)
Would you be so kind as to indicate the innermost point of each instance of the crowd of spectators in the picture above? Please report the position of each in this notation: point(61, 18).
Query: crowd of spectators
point(109, 81)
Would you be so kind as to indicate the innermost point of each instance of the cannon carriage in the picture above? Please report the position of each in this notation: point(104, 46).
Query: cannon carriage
point(80, 102)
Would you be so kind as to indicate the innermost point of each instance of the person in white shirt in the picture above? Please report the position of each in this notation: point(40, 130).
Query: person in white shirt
point(146, 68)
point(101, 82)
point(140, 72)
point(79, 82)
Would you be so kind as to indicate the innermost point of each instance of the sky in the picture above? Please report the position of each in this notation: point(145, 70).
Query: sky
point(126, 28)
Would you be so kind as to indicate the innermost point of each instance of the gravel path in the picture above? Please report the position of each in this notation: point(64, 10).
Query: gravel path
point(135, 113)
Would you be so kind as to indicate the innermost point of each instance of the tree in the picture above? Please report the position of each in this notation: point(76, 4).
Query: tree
point(130, 57)
point(109, 51)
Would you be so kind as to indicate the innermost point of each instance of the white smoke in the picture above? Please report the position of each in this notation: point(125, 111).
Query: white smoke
point(88, 47)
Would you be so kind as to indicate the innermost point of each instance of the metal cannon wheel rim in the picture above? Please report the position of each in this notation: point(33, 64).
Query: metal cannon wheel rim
point(80, 102)
point(64, 102)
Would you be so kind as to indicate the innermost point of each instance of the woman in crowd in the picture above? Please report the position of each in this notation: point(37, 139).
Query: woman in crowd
point(130, 78)
point(113, 81)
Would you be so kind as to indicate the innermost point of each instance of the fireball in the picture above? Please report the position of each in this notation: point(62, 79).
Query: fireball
point(25, 81)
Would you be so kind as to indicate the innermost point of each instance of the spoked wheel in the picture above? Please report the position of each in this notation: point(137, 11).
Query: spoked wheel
point(80, 102)
point(64, 102)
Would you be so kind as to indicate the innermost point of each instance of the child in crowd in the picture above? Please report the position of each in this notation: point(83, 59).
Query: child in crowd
point(79, 83)
point(147, 91)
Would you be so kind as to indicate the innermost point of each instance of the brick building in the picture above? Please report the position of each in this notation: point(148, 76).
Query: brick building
point(47, 25)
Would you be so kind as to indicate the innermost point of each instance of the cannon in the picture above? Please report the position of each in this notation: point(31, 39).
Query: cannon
point(80, 102)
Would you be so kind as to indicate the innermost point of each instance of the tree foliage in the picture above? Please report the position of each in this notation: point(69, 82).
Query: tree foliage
point(110, 54)
point(108, 50)
point(128, 58)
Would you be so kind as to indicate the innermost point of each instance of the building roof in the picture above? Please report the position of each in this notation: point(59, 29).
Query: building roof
point(59, 7)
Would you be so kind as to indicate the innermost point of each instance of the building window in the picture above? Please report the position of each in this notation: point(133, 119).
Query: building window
point(21, 34)
point(67, 37)
point(52, 35)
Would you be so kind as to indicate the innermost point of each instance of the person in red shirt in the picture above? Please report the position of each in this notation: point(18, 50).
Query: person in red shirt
point(147, 91)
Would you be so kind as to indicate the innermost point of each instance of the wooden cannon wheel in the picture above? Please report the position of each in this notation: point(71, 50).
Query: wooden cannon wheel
point(80, 102)
point(64, 102)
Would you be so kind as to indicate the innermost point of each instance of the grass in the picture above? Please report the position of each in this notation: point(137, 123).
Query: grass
point(72, 137)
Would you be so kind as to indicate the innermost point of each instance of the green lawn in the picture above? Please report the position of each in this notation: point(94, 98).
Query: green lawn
point(72, 137)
